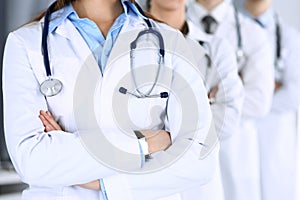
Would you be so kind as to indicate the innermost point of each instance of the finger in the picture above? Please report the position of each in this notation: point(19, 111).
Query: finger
point(49, 128)
point(44, 120)
point(51, 120)
point(49, 113)
point(215, 90)
point(47, 125)
point(46, 114)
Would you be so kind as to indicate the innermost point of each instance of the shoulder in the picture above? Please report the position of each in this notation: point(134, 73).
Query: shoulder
point(290, 35)
point(28, 36)
point(169, 34)
point(29, 30)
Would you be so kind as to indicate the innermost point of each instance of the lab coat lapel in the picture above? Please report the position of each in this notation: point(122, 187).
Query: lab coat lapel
point(81, 49)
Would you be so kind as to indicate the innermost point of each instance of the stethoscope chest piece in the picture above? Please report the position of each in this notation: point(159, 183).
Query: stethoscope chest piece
point(241, 57)
point(51, 87)
point(279, 69)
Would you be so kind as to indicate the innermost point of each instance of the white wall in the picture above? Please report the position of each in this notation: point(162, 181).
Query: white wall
point(289, 11)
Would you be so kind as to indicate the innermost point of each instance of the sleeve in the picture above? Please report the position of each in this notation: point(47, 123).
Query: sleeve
point(189, 168)
point(287, 98)
point(103, 190)
point(258, 80)
point(49, 159)
point(230, 95)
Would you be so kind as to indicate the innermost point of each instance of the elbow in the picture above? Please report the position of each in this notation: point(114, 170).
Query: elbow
point(213, 163)
point(265, 98)
point(29, 171)
point(264, 110)
point(258, 105)
point(207, 167)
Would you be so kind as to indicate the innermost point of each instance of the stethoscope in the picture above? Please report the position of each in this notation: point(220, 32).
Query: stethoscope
point(51, 86)
point(279, 67)
point(161, 54)
point(207, 54)
point(240, 53)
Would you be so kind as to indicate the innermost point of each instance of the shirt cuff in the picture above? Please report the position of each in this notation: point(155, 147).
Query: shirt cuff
point(103, 191)
point(142, 155)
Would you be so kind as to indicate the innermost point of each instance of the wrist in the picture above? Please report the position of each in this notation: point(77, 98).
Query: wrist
point(144, 145)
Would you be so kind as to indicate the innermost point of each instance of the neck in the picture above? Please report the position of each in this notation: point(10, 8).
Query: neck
point(256, 8)
point(102, 12)
point(209, 4)
point(174, 18)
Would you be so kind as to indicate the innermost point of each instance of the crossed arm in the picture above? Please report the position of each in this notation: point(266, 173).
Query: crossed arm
point(157, 141)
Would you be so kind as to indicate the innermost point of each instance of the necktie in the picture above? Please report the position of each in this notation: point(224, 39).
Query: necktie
point(259, 22)
point(209, 24)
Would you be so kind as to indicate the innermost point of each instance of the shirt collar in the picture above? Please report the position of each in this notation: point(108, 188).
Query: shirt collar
point(59, 16)
point(219, 12)
point(266, 18)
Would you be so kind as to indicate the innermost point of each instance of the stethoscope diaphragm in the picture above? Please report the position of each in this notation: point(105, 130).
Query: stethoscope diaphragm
point(51, 87)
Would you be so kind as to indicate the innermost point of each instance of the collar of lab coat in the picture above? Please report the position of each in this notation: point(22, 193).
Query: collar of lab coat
point(196, 33)
point(67, 30)
point(60, 15)
point(219, 12)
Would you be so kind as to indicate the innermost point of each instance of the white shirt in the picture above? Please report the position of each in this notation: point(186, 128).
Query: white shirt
point(258, 73)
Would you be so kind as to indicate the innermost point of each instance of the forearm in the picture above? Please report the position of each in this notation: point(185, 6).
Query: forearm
point(188, 171)
point(287, 98)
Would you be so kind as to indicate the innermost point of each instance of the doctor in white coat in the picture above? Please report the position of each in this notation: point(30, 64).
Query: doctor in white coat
point(224, 87)
point(56, 163)
point(278, 130)
point(240, 166)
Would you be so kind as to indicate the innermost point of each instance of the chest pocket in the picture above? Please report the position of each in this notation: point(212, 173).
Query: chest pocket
point(147, 113)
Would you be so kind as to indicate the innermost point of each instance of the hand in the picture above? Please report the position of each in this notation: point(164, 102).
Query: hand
point(48, 121)
point(157, 140)
point(93, 185)
point(212, 94)
point(278, 85)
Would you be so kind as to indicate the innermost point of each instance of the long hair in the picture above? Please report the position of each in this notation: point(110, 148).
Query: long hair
point(60, 4)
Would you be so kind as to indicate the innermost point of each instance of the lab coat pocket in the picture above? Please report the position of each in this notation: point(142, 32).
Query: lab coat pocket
point(147, 113)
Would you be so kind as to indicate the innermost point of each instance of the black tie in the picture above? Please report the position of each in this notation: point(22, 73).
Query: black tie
point(209, 24)
point(259, 22)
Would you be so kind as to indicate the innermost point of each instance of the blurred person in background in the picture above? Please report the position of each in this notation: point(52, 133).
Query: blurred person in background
point(240, 166)
point(278, 130)
point(224, 87)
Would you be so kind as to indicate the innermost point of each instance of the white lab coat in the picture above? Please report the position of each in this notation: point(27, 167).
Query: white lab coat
point(51, 163)
point(278, 130)
point(241, 179)
point(229, 100)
